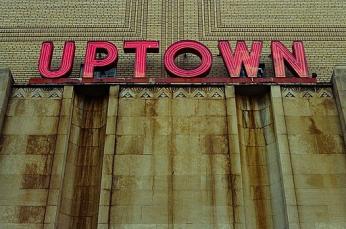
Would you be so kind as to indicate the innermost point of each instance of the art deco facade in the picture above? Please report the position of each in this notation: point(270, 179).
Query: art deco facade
point(130, 156)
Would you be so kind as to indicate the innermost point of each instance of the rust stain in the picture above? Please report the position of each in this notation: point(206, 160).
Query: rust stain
point(151, 113)
point(87, 166)
point(259, 197)
point(333, 181)
point(35, 177)
point(35, 181)
point(30, 214)
point(329, 104)
point(254, 162)
point(231, 181)
point(170, 180)
point(254, 156)
point(327, 144)
point(2, 143)
point(313, 127)
point(31, 169)
point(151, 107)
point(19, 108)
point(40, 144)
point(211, 178)
point(150, 131)
point(316, 180)
point(232, 196)
point(170, 200)
point(257, 177)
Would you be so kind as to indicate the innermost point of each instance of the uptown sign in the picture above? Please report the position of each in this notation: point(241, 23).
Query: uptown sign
point(234, 60)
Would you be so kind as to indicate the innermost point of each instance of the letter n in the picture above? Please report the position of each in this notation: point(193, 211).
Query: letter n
point(295, 61)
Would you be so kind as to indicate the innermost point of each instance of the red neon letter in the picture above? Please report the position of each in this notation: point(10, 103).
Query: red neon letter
point(45, 60)
point(90, 62)
point(296, 61)
point(141, 48)
point(194, 47)
point(241, 55)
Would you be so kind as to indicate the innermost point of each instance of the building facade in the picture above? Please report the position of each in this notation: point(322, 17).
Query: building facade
point(172, 156)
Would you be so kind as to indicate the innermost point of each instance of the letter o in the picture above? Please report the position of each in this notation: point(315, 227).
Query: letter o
point(188, 46)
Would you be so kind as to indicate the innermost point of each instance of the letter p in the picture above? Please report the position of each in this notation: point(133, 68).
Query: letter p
point(91, 62)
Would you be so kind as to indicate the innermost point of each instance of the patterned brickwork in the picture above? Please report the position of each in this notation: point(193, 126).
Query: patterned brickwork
point(26, 23)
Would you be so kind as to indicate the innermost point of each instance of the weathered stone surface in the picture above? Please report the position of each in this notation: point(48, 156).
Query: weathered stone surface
point(31, 107)
point(172, 162)
point(186, 159)
point(317, 151)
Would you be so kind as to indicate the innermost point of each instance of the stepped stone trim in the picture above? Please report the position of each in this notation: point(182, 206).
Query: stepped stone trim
point(165, 92)
point(52, 93)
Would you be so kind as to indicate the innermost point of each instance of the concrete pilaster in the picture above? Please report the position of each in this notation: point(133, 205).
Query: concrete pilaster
point(58, 168)
point(108, 159)
point(339, 87)
point(5, 90)
point(234, 148)
point(284, 160)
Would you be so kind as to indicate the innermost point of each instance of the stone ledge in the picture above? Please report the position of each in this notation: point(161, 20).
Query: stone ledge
point(6, 82)
point(339, 87)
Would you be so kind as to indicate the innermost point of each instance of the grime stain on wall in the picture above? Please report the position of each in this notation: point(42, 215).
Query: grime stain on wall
point(81, 190)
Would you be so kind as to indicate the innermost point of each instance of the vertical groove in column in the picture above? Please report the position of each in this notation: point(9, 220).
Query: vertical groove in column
point(261, 174)
point(81, 191)
point(255, 169)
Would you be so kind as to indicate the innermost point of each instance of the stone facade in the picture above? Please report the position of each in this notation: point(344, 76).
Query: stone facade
point(162, 157)
point(27, 23)
point(173, 157)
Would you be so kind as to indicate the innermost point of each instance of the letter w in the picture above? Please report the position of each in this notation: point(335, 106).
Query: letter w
point(241, 57)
